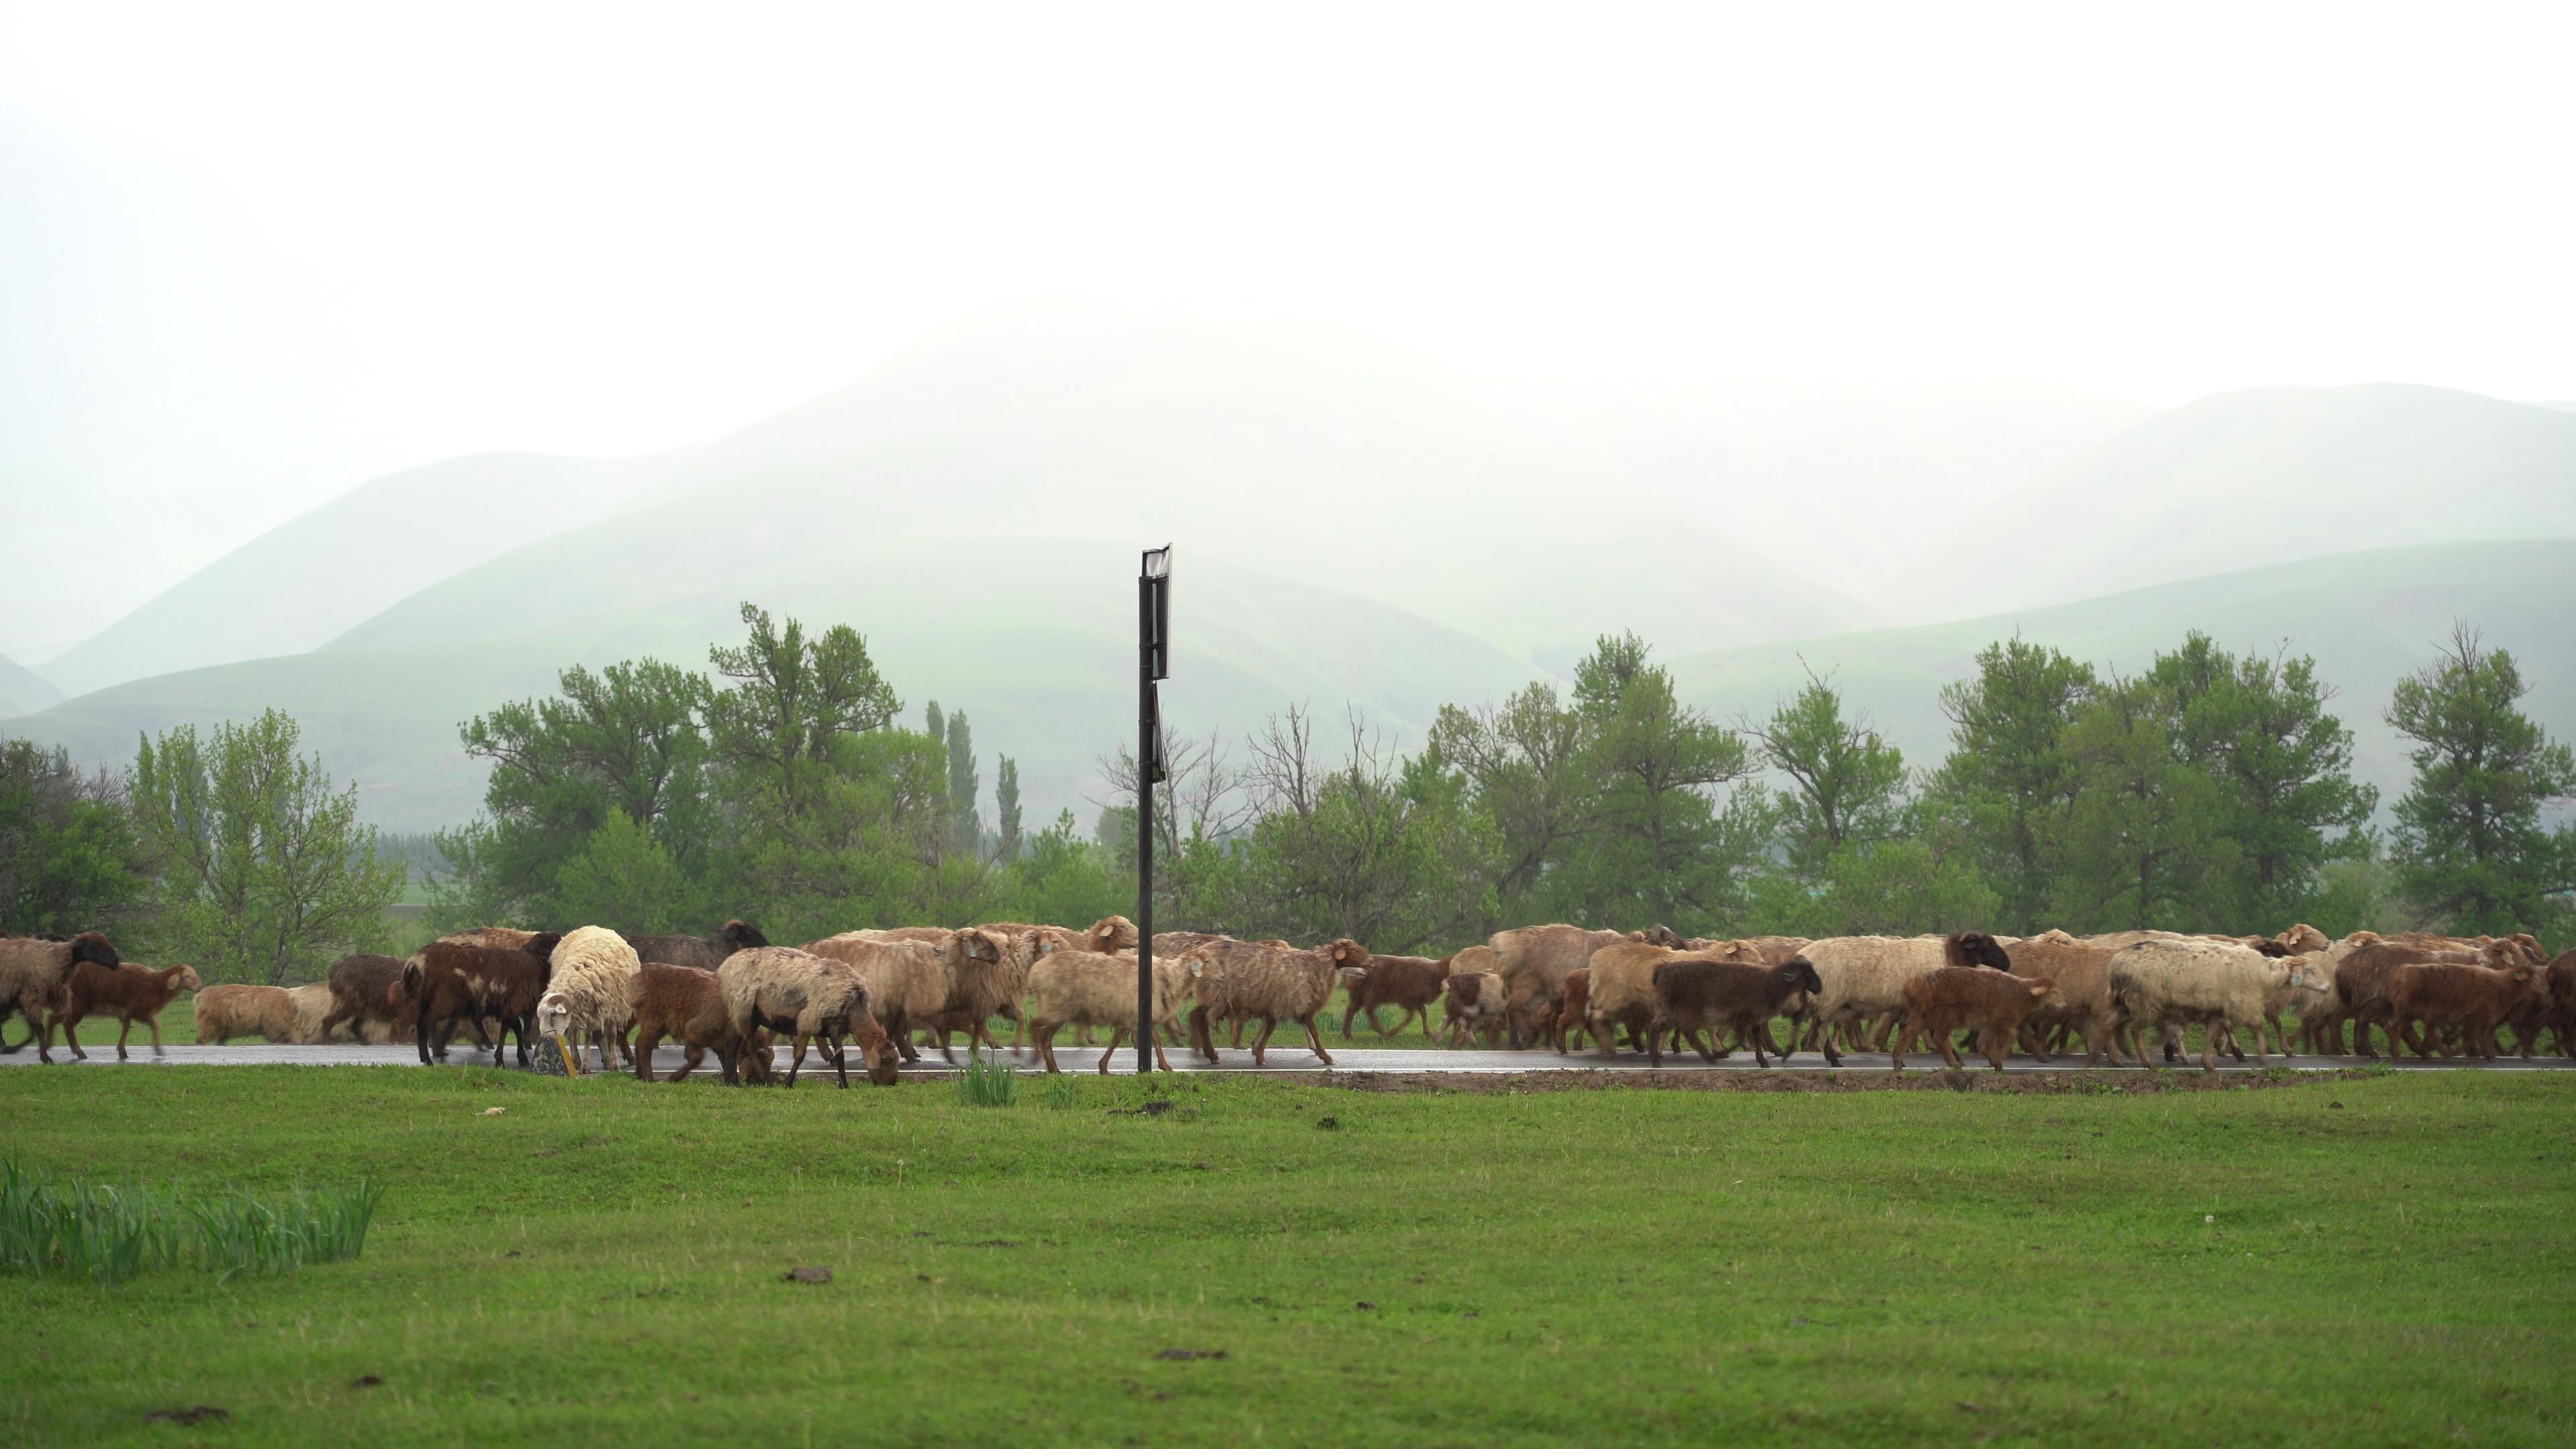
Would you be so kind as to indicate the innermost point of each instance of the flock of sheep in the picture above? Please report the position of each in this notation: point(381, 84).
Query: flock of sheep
point(885, 993)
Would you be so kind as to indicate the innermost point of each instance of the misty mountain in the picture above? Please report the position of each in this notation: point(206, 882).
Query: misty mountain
point(2365, 633)
point(2271, 475)
point(22, 691)
point(314, 576)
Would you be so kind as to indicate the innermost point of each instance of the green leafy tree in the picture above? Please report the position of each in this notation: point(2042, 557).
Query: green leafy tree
point(625, 879)
point(1064, 879)
point(2142, 842)
point(792, 701)
point(1901, 887)
point(266, 874)
point(2008, 782)
point(966, 828)
point(2470, 849)
point(1006, 806)
point(1525, 767)
point(1847, 783)
point(70, 857)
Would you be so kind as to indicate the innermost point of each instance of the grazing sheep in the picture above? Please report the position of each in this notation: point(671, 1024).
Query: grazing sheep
point(704, 952)
point(367, 990)
point(906, 981)
point(2082, 1001)
point(778, 988)
point(1696, 993)
point(227, 1011)
point(685, 1004)
point(1944, 1001)
point(453, 979)
point(1533, 961)
point(2182, 982)
point(1068, 987)
point(1408, 983)
point(34, 973)
point(2426, 996)
point(592, 968)
point(1270, 984)
point(1473, 1001)
point(130, 993)
point(1865, 976)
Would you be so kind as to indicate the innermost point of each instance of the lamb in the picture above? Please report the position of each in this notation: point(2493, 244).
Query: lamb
point(1090, 988)
point(1622, 992)
point(704, 952)
point(367, 990)
point(2082, 1001)
point(1695, 993)
point(2179, 982)
point(778, 988)
point(1408, 983)
point(453, 980)
point(686, 1004)
point(130, 993)
point(1270, 984)
point(1865, 976)
point(2473, 999)
point(1943, 1001)
point(905, 980)
point(227, 1011)
point(592, 966)
point(1473, 1002)
point(1533, 961)
point(2361, 981)
point(33, 975)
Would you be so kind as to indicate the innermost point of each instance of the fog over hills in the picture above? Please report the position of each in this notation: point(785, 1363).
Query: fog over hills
point(2275, 474)
point(21, 691)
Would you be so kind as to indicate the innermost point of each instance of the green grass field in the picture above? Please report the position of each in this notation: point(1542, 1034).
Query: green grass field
point(2375, 1261)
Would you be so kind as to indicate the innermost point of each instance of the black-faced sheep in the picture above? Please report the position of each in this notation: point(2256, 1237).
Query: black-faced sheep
point(1694, 993)
point(703, 952)
point(34, 973)
point(1865, 976)
point(129, 993)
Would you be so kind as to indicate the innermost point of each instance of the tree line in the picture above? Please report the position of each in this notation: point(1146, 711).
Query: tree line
point(788, 783)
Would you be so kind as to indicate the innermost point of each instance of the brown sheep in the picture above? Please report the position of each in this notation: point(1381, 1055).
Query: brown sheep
point(1944, 1001)
point(227, 1011)
point(1472, 1002)
point(34, 973)
point(1533, 961)
point(453, 980)
point(703, 952)
point(1408, 983)
point(2474, 999)
point(2082, 1002)
point(130, 993)
point(1562, 1025)
point(368, 988)
point(2361, 983)
point(1694, 993)
point(1269, 984)
point(685, 1004)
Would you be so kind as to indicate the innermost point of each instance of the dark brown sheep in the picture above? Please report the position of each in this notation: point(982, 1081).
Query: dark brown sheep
point(453, 981)
point(2426, 997)
point(130, 993)
point(2561, 976)
point(367, 988)
point(34, 972)
point(685, 1004)
point(1408, 983)
point(1943, 1002)
point(1693, 995)
point(2361, 982)
point(703, 952)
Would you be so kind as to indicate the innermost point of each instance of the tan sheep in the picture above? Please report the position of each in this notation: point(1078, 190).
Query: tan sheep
point(906, 981)
point(2196, 982)
point(1094, 989)
point(2083, 1005)
point(779, 988)
point(227, 1011)
point(1865, 976)
point(1243, 981)
point(1472, 1002)
point(1622, 989)
point(594, 972)
point(35, 974)
point(1533, 961)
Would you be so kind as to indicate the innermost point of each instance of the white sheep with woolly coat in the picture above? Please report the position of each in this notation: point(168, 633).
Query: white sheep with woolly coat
point(1865, 976)
point(2176, 983)
point(781, 989)
point(594, 973)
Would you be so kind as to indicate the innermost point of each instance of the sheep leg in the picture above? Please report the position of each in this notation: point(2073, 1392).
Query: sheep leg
point(1260, 1040)
point(1117, 1034)
point(1238, 1034)
point(1315, 1039)
point(1896, 1058)
point(68, 1023)
point(646, 1039)
point(1949, 1048)
point(1350, 1009)
point(1042, 1038)
point(154, 1024)
point(1200, 1041)
point(796, 1062)
point(840, 1060)
point(124, 1026)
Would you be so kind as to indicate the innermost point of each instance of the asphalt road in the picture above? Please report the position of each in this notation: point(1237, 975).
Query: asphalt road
point(1283, 1061)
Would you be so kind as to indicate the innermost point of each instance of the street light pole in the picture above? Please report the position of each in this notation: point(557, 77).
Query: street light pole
point(1153, 662)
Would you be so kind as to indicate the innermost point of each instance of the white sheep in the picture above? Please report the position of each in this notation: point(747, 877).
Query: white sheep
point(1865, 976)
point(594, 972)
point(2173, 983)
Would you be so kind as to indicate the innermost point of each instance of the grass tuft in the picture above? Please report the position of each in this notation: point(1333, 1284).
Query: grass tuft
point(1064, 1092)
point(110, 1234)
point(987, 1082)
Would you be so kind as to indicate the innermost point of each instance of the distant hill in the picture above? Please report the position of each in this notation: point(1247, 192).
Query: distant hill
point(1044, 666)
point(2368, 618)
point(22, 691)
point(312, 577)
point(2269, 475)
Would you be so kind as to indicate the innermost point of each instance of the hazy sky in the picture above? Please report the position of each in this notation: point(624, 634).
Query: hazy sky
point(252, 255)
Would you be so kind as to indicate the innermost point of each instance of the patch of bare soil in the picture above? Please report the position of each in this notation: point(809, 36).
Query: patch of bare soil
point(2076, 1083)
